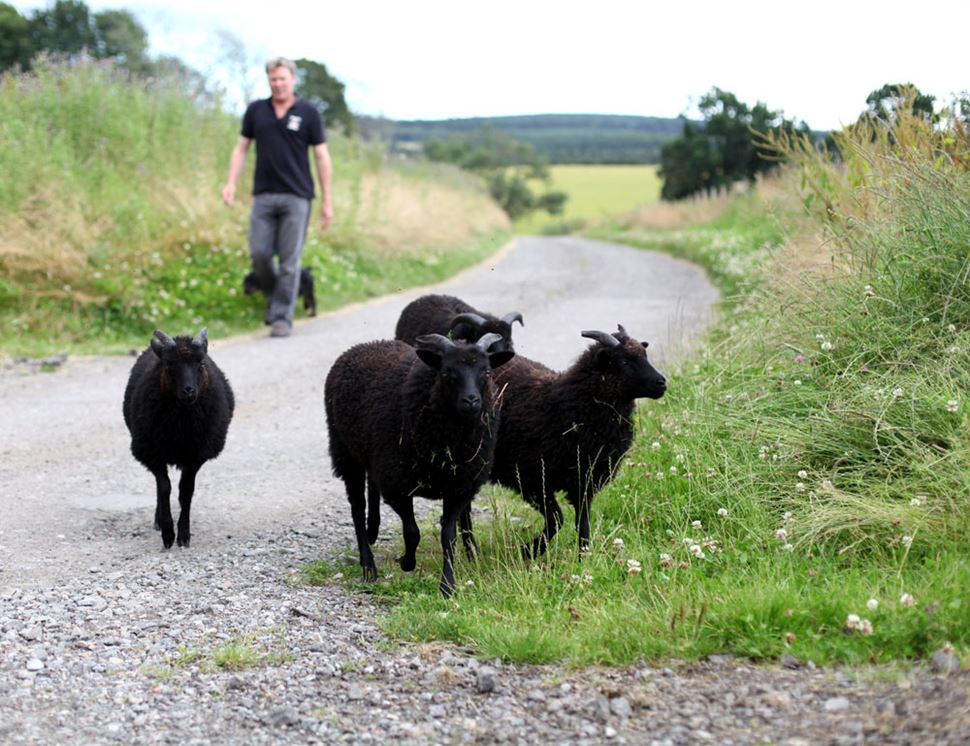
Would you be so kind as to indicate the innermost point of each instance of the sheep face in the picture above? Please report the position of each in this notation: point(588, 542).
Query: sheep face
point(462, 369)
point(183, 373)
point(623, 358)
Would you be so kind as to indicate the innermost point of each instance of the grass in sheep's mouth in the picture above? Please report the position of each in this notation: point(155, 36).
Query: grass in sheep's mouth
point(801, 487)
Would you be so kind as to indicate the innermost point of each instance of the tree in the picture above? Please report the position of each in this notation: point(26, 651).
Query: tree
point(507, 165)
point(15, 45)
point(326, 92)
point(66, 28)
point(883, 103)
point(123, 39)
point(724, 149)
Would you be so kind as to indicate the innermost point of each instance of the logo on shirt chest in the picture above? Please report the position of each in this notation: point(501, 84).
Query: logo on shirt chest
point(293, 122)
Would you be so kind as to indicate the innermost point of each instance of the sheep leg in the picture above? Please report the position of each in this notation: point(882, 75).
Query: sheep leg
point(186, 490)
point(412, 535)
point(163, 510)
point(467, 536)
point(355, 495)
point(373, 510)
point(582, 522)
point(449, 520)
point(553, 515)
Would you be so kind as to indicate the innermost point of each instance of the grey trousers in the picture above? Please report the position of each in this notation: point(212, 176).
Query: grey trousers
point(277, 227)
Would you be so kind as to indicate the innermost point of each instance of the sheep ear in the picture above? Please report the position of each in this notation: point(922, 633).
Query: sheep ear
point(431, 348)
point(160, 342)
point(645, 345)
point(201, 340)
point(498, 359)
point(514, 316)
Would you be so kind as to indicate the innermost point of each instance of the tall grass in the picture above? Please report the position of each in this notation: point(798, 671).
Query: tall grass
point(111, 222)
point(810, 465)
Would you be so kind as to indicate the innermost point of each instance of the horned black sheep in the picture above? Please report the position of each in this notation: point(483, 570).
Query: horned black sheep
point(413, 421)
point(452, 317)
point(177, 407)
point(568, 431)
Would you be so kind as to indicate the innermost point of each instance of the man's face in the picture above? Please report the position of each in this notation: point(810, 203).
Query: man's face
point(281, 83)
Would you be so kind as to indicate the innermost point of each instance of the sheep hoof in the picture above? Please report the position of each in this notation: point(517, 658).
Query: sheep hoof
point(183, 541)
point(168, 539)
point(407, 563)
point(370, 574)
point(447, 587)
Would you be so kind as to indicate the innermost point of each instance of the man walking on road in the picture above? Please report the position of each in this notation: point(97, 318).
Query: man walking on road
point(283, 126)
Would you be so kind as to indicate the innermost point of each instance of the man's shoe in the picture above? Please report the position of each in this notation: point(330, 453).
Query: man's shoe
point(279, 329)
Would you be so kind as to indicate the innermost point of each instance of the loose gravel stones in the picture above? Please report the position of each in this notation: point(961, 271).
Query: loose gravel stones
point(220, 645)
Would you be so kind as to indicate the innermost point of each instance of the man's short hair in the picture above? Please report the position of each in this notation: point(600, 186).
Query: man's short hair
point(275, 62)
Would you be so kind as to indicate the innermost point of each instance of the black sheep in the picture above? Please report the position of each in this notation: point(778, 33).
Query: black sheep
point(251, 284)
point(452, 317)
point(177, 407)
point(413, 422)
point(568, 431)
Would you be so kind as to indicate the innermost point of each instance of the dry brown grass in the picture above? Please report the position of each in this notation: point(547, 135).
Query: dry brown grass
point(672, 215)
point(397, 213)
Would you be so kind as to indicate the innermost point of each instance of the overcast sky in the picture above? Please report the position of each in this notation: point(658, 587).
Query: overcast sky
point(435, 59)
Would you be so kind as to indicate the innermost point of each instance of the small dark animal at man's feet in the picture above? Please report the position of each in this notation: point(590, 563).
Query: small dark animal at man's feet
point(251, 285)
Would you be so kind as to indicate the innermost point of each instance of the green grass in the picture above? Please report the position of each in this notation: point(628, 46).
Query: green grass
point(595, 193)
point(820, 441)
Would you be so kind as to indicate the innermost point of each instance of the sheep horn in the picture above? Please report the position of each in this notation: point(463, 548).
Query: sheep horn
point(487, 340)
point(621, 334)
point(166, 340)
point(469, 318)
point(434, 342)
point(514, 316)
point(201, 340)
point(603, 338)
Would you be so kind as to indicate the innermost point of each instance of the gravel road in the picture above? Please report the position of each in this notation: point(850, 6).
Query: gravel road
point(107, 638)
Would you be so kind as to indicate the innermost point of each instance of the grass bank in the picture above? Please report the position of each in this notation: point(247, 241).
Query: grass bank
point(111, 222)
point(801, 488)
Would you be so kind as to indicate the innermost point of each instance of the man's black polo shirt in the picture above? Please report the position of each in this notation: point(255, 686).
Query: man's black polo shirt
point(281, 146)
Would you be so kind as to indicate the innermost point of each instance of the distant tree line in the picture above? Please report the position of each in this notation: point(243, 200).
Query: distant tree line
point(509, 168)
point(70, 30)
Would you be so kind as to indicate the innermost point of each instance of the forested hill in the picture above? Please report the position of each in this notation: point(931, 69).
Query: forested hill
point(563, 138)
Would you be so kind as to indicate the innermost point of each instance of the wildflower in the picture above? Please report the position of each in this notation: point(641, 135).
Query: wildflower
point(802, 474)
point(898, 393)
point(469, 582)
point(872, 604)
point(820, 337)
point(800, 487)
point(789, 638)
point(788, 547)
point(799, 358)
point(697, 551)
point(679, 458)
point(711, 472)
point(796, 382)
point(696, 524)
point(907, 541)
point(632, 566)
point(655, 445)
point(952, 350)
point(869, 291)
point(852, 622)
point(827, 485)
point(917, 501)
point(786, 516)
point(722, 512)
point(781, 534)
point(865, 627)
point(673, 468)
point(826, 345)
point(587, 576)
point(906, 600)
point(951, 328)
point(664, 557)
point(952, 406)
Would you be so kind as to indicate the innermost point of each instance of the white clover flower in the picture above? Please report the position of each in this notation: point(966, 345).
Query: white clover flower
point(872, 604)
point(697, 551)
point(786, 516)
point(800, 487)
point(827, 485)
point(865, 627)
point(788, 547)
point(781, 534)
point(679, 458)
point(906, 600)
point(898, 393)
point(633, 566)
point(952, 405)
point(819, 337)
point(852, 621)
point(587, 576)
point(917, 501)
point(797, 382)
point(696, 524)
point(869, 291)
point(618, 542)
point(907, 541)
point(951, 328)
point(673, 469)
point(655, 446)
point(664, 557)
point(802, 474)
point(826, 345)
point(469, 582)
point(953, 350)
point(722, 512)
